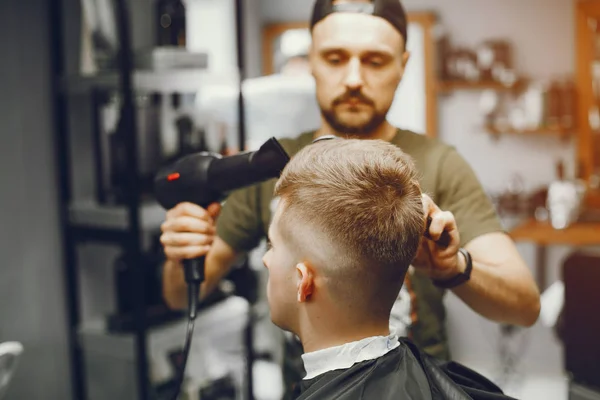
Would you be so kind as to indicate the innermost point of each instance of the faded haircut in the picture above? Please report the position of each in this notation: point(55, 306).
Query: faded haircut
point(360, 200)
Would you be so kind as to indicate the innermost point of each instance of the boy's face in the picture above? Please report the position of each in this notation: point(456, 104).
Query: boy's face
point(282, 288)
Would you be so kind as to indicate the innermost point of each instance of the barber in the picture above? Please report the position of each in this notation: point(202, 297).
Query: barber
point(358, 56)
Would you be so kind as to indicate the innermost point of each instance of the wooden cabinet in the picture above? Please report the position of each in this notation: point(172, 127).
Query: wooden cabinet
point(587, 42)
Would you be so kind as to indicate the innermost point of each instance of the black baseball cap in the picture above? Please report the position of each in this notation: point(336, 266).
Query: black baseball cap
point(390, 10)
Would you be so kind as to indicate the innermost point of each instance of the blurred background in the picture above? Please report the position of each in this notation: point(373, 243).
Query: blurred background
point(514, 85)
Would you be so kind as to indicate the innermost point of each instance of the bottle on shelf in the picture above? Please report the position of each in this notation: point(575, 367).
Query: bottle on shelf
point(223, 149)
point(568, 104)
point(171, 23)
point(191, 139)
point(553, 104)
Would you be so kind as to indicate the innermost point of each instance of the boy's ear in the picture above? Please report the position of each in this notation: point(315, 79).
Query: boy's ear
point(305, 282)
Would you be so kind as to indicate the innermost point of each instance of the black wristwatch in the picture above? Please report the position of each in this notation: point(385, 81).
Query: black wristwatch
point(460, 278)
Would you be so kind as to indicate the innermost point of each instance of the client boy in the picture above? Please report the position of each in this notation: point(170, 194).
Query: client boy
point(347, 226)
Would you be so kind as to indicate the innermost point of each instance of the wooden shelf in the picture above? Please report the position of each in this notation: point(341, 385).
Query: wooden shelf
point(550, 130)
point(592, 199)
point(449, 86)
point(578, 234)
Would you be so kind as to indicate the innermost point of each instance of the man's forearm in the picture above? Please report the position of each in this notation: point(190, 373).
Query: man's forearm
point(174, 288)
point(498, 298)
point(502, 290)
point(218, 264)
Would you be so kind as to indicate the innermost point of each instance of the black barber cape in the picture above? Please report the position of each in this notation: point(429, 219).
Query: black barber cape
point(404, 373)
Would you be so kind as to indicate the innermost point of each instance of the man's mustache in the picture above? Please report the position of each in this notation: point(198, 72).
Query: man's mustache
point(354, 95)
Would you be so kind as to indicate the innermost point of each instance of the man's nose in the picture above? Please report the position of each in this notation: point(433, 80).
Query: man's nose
point(354, 79)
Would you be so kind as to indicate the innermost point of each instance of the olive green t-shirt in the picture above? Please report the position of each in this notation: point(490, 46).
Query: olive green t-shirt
point(444, 175)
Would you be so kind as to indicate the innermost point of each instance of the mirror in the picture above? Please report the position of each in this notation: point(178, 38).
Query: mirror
point(285, 49)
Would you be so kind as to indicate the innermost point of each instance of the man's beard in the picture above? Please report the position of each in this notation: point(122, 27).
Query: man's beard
point(361, 129)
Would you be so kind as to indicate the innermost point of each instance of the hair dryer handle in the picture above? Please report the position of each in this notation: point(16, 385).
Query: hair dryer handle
point(194, 276)
point(194, 270)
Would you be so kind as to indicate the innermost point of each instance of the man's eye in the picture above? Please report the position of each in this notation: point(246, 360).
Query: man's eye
point(334, 60)
point(375, 62)
point(269, 245)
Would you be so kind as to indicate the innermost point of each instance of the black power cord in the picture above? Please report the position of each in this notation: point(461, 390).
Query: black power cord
point(193, 292)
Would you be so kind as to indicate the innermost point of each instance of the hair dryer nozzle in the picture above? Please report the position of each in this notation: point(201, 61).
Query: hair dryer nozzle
point(204, 178)
point(270, 158)
point(230, 173)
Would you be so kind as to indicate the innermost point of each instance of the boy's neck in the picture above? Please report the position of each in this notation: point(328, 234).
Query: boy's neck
point(316, 339)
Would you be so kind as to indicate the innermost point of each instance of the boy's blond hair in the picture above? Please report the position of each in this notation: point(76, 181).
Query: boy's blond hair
point(359, 202)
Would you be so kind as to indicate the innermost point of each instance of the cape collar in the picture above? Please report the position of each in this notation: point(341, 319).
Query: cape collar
point(346, 355)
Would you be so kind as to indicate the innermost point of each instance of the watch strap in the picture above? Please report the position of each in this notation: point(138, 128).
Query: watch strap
point(461, 277)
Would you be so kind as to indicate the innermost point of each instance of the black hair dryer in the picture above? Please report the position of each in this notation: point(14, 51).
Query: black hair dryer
point(204, 178)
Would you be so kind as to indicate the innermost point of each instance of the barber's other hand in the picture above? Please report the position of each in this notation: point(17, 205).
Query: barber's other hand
point(188, 231)
point(436, 261)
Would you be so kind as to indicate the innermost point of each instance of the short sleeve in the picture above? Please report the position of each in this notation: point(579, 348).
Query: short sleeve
point(460, 192)
point(239, 223)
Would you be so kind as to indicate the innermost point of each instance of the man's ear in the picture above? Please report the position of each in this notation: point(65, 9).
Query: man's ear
point(405, 58)
point(311, 59)
point(305, 282)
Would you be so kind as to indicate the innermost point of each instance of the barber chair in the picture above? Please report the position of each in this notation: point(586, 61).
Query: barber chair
point(580, 328)
point(9, 357)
